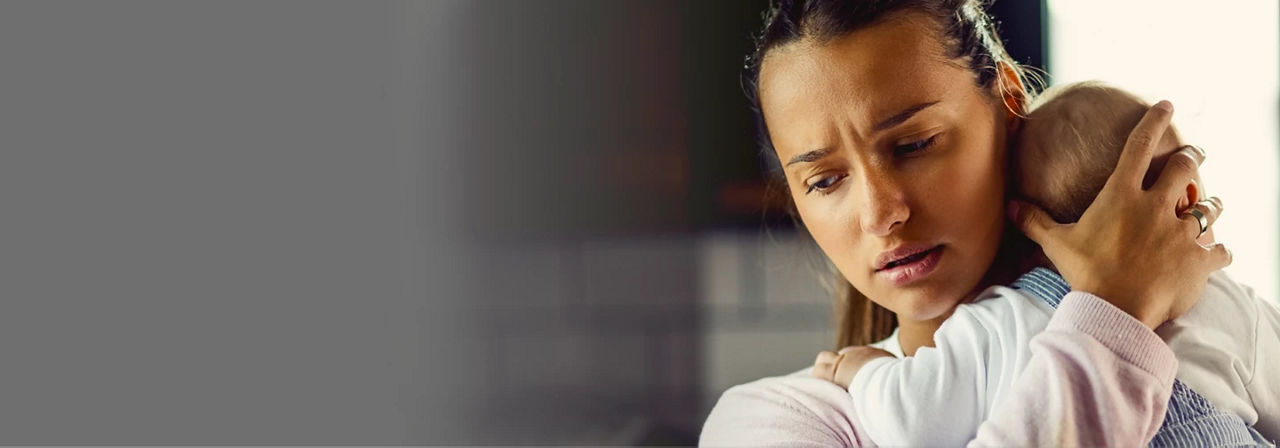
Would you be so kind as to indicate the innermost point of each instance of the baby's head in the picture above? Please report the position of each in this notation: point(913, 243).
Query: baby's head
point(1070, 143)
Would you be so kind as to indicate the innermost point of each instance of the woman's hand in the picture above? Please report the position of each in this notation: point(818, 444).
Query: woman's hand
point(1131, 247)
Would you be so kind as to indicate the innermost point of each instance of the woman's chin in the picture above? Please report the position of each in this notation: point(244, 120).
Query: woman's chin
point(928, 308)
point(923, 301)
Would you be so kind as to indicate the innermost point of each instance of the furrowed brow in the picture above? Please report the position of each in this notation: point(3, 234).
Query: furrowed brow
point(896, 119)
point(900, 117)
point(811, 156)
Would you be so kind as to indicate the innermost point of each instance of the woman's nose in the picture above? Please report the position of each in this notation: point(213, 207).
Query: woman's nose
point(884, 206)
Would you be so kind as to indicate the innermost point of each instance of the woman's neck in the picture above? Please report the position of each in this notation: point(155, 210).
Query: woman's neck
point(913, 334)
point(1015, 258)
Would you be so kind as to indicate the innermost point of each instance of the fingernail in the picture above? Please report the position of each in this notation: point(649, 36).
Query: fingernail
point(1198, 151)
point(1164, 105)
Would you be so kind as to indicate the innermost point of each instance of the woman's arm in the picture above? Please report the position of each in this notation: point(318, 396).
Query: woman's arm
point(1146, 261)
point(1097, 376)
point(786, 411)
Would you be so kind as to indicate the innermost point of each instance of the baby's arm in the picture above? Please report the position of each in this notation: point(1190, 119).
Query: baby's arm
point(935, 398)
point(840, 367)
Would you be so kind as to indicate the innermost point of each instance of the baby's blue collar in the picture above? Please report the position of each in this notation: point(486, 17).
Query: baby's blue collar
point(1044, 284)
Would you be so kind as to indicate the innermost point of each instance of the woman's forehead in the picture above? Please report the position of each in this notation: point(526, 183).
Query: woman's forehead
point(864, 76)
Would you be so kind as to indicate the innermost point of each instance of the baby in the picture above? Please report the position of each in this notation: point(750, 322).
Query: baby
point(1228, 345)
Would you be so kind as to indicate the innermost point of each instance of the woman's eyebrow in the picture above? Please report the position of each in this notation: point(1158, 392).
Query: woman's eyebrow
point(900, 117)
point(887, 123)
point(810, 156)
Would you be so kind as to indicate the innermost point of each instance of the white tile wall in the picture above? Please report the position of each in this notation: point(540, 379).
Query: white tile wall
point(648, 331)
point(766, 310)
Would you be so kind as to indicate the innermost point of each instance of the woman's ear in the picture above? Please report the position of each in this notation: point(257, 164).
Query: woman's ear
point(1012, 93)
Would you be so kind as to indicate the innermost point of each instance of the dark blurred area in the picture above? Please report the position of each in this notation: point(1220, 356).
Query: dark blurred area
point(606, 118)
point(448, 222)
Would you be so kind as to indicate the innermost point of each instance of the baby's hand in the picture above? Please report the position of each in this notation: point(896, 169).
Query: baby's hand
point(840, 367)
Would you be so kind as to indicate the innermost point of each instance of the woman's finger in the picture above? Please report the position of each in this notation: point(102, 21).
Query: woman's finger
point(1211, 208)
point(1034, 222)
point(1179, 172)
point(1219, 256)
point(1196, 220)
point(1196, 151)
point(1141, 144)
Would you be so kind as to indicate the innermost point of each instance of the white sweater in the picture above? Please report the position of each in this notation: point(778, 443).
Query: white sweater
point(1228, 347)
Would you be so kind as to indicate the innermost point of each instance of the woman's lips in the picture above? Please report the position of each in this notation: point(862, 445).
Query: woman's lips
point(913, 269)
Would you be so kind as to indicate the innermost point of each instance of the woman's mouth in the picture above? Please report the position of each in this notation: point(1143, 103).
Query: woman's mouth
point(911, 266)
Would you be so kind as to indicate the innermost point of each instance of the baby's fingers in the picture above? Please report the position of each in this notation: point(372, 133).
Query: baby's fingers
point(824, 367)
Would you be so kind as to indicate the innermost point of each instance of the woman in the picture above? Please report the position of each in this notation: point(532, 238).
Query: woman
point(890, 121)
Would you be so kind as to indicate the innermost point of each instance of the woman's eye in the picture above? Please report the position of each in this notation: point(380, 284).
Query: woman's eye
point(824, 184)
point(909, 148)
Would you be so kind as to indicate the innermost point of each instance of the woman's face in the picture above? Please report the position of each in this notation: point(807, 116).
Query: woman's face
point(895, 159)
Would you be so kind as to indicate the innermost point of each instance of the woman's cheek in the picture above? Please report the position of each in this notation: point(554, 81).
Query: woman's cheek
point(976, 203)
point(834, 227)
point(976, 192)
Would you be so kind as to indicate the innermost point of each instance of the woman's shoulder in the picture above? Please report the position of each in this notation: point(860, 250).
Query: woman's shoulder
point(783, 410)
point(798, 391)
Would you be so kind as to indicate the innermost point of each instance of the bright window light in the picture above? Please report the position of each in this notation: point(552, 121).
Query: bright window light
point(1219, 63)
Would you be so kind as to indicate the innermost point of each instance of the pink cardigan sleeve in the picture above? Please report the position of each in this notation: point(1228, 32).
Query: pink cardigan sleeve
point(1096, 377)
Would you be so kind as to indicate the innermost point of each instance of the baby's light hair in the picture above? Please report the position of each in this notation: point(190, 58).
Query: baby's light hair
point(1070, 142)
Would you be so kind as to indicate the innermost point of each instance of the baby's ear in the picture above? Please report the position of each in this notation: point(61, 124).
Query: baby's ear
point(1191, 196)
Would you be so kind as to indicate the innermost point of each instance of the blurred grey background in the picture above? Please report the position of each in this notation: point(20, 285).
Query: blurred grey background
point(373, 222)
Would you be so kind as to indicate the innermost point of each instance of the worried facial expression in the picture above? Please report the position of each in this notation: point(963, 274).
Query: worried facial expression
point(895, 158)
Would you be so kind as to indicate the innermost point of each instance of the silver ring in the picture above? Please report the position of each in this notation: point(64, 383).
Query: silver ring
point(1204, 221)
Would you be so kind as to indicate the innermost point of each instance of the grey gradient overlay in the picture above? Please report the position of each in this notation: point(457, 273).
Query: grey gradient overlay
point(372, 222)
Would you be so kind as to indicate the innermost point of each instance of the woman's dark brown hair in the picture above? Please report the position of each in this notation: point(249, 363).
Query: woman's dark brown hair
point(971, 38)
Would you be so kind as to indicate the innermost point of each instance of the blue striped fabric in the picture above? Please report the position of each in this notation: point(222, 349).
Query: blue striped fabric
point(1190, 420)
